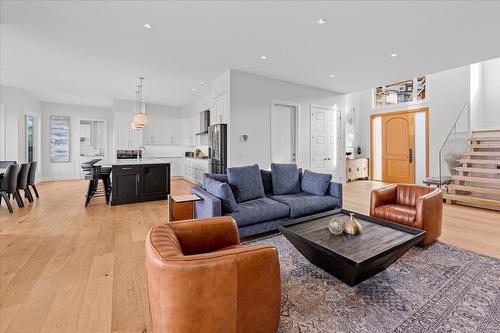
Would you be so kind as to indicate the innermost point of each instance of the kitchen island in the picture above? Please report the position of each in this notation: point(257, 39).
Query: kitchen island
point(139, 181)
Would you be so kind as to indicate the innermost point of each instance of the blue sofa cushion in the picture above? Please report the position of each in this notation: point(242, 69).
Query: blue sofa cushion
point(223, 192)
point(216, 176)
point(306, 203)
point(246, 182)
point(259, 210)
point(285, 178)
point(315, 183)
point(267, 181)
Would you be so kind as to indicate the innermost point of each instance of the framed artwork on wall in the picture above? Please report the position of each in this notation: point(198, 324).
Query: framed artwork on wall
point(60, 148)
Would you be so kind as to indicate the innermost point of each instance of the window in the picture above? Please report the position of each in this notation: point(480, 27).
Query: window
point(400, 92)
point(30, 137)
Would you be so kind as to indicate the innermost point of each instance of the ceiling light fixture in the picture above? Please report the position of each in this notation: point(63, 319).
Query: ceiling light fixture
point(263, 57)
point(192, 89)
point(321, 20)
point(202, 82)
point(148, 26)
point(140, 118)
point(394, 55)
point(332, 76)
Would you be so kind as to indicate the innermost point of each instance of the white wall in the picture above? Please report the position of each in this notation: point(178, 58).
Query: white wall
point(250, 106)
point(18, 103)
point(70, 170)
point(490, 115)
point(448, 92)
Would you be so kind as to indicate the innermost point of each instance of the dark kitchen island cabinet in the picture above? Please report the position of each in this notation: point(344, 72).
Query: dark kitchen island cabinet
point(138, 182)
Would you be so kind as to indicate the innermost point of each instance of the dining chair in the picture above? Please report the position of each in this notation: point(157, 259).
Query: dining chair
point(31, 178)
point(5, 164)
point(22, 183)
point(9, 186)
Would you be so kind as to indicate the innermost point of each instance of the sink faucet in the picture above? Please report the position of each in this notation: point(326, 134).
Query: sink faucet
point(139, 152)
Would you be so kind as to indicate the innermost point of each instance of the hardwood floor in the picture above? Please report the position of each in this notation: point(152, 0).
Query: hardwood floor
point(67, 268)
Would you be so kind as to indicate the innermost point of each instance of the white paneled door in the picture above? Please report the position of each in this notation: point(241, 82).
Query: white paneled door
point(325, 140)
point(283, 133)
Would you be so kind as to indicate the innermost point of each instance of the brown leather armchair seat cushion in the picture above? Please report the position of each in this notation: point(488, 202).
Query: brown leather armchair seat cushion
point(412, 205)
point(201, 280)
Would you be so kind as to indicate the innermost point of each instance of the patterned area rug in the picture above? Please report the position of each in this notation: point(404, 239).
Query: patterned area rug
point(438, 289)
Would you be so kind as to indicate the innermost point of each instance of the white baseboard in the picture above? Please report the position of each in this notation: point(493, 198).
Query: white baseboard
point(52, 178)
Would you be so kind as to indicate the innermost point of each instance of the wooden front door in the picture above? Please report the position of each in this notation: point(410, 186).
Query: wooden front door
point(398, 147)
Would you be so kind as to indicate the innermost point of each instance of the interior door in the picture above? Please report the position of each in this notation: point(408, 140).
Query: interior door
point(283, 133)
point(398, 147)
point(325, 140)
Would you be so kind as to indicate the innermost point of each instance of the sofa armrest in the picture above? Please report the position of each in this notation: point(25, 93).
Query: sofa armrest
point(206, 235)
point(430, 214)
point(382, 196)
point(208, 206)
point(239, 284)
point(335, 190)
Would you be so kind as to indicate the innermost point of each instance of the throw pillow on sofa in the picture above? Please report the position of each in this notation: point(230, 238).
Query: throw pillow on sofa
point(285, 178)
point(246, 182)
point(223, 192)
point(315, 183)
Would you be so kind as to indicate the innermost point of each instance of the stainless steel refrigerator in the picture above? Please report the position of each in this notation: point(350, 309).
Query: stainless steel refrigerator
point(217, 140)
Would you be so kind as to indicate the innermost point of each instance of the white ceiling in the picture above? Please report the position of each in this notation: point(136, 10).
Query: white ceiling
point(90, 52)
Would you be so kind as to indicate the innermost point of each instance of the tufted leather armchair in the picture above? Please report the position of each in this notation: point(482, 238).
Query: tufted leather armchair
point(201, 280)
point(416, 206)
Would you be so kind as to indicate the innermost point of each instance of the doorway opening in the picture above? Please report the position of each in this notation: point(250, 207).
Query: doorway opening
point(284, 128)
point(400, 146)
point(93, 140)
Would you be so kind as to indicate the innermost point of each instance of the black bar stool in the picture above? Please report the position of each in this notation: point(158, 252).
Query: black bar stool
point(9, 186)
point(94, 173)
point(31, 179)
point(22, 183)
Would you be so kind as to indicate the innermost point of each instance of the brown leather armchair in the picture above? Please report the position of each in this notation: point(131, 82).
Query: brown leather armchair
point(201, 280)
point(412, 205)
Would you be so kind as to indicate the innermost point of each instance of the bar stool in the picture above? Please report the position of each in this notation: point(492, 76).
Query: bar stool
point(22, 183)
point(9, 186)
point(94, 173)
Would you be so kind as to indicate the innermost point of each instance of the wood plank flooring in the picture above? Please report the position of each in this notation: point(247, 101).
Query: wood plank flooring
point(67, 268)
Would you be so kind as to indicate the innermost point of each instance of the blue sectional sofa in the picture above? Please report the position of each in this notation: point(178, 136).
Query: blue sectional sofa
point(259, 200)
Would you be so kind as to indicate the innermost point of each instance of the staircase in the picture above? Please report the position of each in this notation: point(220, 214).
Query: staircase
point(476, 180)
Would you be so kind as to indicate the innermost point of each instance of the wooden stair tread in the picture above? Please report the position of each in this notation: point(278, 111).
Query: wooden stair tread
point(478, 161)
point(479, 170)
point(475, 189)
point(483, 153)
point(476, 179)
point(488, 138)
point(484, 146)
point(474, 200)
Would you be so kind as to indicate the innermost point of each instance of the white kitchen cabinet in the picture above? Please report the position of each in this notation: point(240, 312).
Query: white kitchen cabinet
point(162, 130)
point(219, 110)
point(125, 136)
point(193, 169)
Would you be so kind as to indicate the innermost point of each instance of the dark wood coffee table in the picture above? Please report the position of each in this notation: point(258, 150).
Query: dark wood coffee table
point(351, 258)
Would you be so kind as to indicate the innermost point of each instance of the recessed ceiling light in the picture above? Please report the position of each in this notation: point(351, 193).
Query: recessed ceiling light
point(332, 76)
point(263, 57)
point(192, 89)
point(394, 55)
point(202, 82)
point(321, 20)
point(148, 26)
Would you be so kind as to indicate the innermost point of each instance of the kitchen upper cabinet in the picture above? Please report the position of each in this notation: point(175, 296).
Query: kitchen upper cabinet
point(125, 136)
point(162, 130)
point(219, 109)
